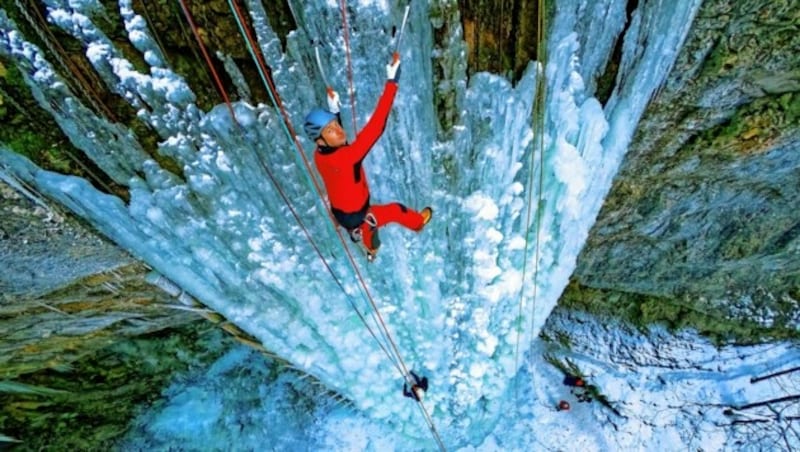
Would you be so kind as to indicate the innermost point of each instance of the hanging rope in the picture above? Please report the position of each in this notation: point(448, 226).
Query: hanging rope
point(264, 73)
point(537, 128)
point(346, 33)
point(539, 116)
point(209, 62)
point(220, 87)
point(431, 426)
point(186, 36)
point(79, 82)
point(271, 176)
point(275, 97)
point(151, 24)
point(329, 88)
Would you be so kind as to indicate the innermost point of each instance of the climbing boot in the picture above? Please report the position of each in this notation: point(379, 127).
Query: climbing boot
point(370, 238)
point(427, 214)
point(372, 247)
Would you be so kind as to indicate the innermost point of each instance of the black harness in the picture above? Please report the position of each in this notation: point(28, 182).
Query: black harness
point(351, 220)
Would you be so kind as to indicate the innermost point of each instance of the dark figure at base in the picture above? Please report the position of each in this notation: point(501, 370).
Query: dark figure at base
point(572, 380)
point(418, 387)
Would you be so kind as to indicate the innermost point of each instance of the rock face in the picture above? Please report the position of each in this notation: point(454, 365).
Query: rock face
point(67, 292)
point(42, 247)
point(703, 206)
point(84, 337)
point(88, 404)
point(501, 35)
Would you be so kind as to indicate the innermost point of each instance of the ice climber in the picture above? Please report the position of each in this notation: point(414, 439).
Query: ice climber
point(340, 164)
point(579, 388)
point(418, 387)
point(573, 380)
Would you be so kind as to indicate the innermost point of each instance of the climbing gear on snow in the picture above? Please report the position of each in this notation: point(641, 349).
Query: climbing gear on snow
point(371, 220)
point(355, 235)
point(582, 395)
point(573, 380)
point(316, 120)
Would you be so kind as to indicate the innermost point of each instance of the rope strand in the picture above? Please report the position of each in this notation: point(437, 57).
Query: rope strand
point(537, 128)
point(402, 368)
point(398, 360)
point(290, 131)
point(541, 98)
point(279, 105)
point(346, 33)
point(271, 176)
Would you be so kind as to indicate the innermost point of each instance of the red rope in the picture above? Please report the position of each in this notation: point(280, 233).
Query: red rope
point(210, 63)
point(352, 260)
point(346, 33)
point(274, 181)
point(284, 114)
point(39, 25)
point(271, 176)
point(271, 86)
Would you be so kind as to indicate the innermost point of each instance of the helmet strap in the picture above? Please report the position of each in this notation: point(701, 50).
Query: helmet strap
point(327, 145)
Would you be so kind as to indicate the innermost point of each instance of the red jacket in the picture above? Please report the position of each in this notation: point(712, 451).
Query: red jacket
point(341, 168)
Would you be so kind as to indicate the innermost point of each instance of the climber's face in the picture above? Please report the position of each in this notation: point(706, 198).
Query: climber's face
point(334, 135)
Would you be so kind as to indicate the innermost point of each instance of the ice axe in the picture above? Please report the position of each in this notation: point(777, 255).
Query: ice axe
point(316, 45)
point(400, 35)
point(328, 87)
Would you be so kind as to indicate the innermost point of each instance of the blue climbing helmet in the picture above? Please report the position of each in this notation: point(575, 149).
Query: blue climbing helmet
point(316, 120)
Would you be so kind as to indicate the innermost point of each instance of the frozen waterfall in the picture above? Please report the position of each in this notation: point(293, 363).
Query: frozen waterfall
point(452, 295)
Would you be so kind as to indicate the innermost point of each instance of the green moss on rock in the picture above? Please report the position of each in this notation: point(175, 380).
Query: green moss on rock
point(89, 406)
point(642, 311)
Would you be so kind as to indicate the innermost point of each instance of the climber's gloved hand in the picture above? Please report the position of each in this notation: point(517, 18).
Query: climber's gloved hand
point(393, 68)
point(334, 105)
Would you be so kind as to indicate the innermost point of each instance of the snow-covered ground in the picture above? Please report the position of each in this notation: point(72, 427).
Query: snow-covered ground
point(664, 392)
